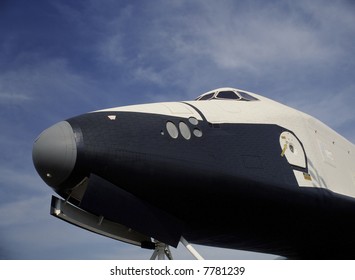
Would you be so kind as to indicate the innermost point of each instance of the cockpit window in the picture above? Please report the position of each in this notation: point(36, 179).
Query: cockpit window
point(227, 95)
point(206, 97)
point(246, 96)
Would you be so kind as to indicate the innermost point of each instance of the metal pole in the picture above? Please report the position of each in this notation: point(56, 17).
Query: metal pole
point(191, 249)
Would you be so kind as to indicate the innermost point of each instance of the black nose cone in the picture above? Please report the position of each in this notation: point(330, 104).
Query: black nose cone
point(54, 153)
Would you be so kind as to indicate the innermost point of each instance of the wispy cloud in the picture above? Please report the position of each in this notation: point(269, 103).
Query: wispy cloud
point(198, 45)
point(6, 98)
point(148, 74)
point(22, 212)
point(42, 80)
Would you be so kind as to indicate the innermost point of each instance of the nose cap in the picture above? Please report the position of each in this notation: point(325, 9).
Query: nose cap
point(54, 153)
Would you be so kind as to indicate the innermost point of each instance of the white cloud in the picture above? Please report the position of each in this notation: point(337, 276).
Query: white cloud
point(112, 49)
point(23, 212)
point(42, 80)
point(6, 97)
point(12, 176)
point(148, 74)
point(193, 45)
point(257, 37)
point(179, 44)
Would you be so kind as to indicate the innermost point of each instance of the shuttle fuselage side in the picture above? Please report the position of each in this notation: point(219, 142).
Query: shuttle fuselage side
point(330, 157)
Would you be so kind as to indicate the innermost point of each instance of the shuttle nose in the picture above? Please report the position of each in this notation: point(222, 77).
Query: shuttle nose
point(54, 153)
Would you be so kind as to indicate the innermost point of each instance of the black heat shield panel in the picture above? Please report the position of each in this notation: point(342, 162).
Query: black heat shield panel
point(103, 198)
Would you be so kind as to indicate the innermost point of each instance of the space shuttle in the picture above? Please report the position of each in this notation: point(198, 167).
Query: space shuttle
point(231, 169)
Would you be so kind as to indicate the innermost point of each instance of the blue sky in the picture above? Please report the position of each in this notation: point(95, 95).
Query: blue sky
point(63, 58)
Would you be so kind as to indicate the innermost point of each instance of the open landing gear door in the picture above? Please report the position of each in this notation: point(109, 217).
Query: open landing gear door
point(76, 216)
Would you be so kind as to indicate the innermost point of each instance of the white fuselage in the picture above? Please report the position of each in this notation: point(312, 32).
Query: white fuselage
point(330, 157)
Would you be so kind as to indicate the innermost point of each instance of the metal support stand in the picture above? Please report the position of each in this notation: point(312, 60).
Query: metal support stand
point(162, 250)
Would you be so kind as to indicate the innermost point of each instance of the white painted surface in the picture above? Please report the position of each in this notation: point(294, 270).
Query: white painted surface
point(330, 157)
